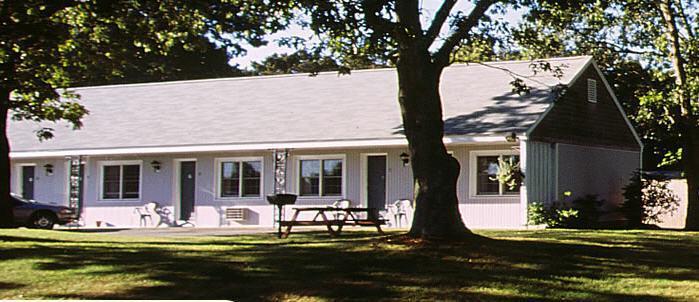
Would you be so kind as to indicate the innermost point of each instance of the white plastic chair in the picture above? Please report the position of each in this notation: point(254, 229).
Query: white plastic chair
point(341, 204)
point(144, 216)
point(399, 209)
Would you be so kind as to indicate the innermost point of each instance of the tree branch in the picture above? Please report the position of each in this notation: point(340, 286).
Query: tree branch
point(678, 63)
point(439, 19)
point(380, 25)
point(463, 27)
point(408, 13)
point(622, 49)
point(683, 17)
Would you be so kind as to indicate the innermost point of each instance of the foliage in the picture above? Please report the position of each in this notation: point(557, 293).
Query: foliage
point(583, 213)
point(509, 173)
point(589, 210)
point(554, 216)
point(196, 58)
point(300, 61)
point(647, 199)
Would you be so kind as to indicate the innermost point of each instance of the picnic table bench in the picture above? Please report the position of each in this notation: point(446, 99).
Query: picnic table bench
point(340, 218)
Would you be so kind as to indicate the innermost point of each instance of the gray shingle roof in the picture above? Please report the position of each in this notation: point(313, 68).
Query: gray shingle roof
point(477, 100)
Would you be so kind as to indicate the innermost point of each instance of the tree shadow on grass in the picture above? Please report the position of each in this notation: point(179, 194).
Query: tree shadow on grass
point(367, 268)
point(10, 285)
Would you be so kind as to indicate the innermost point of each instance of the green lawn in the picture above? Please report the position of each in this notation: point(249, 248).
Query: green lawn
point(510, 266)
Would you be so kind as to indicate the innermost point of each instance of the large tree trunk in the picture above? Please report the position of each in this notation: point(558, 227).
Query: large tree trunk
point(5, 206)
point(687, 120)
point(690, 156)
point(435, 172)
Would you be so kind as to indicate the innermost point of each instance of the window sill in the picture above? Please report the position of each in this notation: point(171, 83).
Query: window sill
point(494, 196)
point(119, 200)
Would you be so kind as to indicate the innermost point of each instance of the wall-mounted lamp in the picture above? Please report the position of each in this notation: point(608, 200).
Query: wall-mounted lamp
point(48, 168)
point(511, 138)
point(405, 158)
point(156, 166)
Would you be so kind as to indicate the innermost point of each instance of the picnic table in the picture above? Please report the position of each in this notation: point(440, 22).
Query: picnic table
point(340, 217)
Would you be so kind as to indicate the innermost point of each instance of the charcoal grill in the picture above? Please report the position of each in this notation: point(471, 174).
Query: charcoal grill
point(280, 200)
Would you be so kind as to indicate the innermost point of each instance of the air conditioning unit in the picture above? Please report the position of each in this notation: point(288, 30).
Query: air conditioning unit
point(236, 214)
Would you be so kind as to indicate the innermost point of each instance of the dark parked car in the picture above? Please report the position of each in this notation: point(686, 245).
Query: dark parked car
point(34, 214)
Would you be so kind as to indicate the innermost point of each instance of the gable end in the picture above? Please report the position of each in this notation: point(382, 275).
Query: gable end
point(575, 119)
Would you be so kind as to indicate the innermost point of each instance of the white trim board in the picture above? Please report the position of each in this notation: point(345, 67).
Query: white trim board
point(364, 180)
point(121, 163)
point(297, 175)
point(472, 170)
point(217, 178)
point(361, 143)
point(20, 180)
point(177, 202)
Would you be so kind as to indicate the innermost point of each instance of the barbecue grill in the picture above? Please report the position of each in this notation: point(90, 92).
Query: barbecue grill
point(280, 200)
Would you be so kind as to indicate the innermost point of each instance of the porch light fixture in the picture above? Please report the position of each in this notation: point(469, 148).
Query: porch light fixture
point(48, 168)
point(156, 166)
point(511, 138)
point(405, 158)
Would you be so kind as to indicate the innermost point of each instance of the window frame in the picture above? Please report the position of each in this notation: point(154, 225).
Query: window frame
point(218, 179)
point(121, 164)
point(473, 173)
point(297, 174)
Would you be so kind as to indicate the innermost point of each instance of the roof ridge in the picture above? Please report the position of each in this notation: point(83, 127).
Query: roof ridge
point(324, 73)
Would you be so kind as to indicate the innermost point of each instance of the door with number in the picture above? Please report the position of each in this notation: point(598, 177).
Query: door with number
point(28, 182)
point(187, 188)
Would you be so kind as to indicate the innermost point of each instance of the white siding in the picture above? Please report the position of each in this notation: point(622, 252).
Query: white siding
point(485, 211)
point(47, 188)
point(478, 212)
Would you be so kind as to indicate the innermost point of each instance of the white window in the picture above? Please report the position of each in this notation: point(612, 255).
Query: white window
point(120, 180)
point(239, 177)
point(484, 166)
point(591, 91)
point(321, 176)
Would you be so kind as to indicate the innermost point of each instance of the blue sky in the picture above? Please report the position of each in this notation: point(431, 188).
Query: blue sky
point(428, 6)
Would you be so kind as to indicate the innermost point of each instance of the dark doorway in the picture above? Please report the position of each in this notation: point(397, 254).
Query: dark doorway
point(28, 182)
point(376, 182)
point(187, 188)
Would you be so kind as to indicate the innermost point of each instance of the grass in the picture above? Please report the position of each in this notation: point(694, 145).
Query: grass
point(545, 265)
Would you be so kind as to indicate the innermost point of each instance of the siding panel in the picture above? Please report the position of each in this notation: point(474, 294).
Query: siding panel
point(587, 170)
point(540, 177)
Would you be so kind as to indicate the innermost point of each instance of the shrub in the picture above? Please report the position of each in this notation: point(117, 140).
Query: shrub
point(537, 214)
point(554, 216)
point(645, 200)
point(588, 208)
